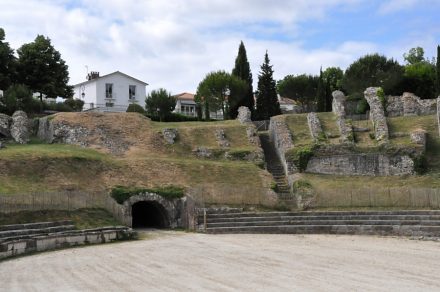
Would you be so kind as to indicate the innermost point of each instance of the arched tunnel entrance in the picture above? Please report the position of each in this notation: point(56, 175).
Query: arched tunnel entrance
point(149, 214)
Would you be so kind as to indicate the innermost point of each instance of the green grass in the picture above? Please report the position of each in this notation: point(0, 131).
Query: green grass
point(299, 128)
point(82, 218)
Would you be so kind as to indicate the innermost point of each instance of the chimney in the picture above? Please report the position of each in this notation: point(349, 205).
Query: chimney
point(92, 75)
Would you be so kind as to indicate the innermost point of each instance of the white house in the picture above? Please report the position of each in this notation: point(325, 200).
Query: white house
point(112, 92)
point(185, 104)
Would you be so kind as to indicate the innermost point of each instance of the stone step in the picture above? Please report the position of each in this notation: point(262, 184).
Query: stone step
point(325, 218)
point(324, 222)
point(327, 213)
point(46, 230)
point(401, 230)
point(35, 225)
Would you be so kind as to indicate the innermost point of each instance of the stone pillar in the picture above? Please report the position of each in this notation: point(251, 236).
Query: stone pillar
point(20, 127)
point(377, 114)
point(438, 113)
point(244, 115)
point(338, 108)
point(315, 126)
point(338, 103)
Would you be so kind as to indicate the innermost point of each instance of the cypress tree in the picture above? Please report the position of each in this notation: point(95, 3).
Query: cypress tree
point(438, 70)
point(242, 70)
point(267, 100)
point(320, 94)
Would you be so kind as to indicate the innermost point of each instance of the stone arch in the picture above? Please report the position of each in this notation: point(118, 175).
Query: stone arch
point(165, 212)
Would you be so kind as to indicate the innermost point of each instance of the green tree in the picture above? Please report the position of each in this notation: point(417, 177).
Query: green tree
point(267, 100)
point(301, 88)
point(7, 63)
point(372, 70)
point(414, 56)
point(242, 70)
point(420, 74)
point(41, 68)
point(160, 103)
point(321, 94)
point(332, 79)
point(220, 90)
point(17, 97)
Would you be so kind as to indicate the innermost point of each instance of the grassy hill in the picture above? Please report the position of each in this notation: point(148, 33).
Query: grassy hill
point(148, 161)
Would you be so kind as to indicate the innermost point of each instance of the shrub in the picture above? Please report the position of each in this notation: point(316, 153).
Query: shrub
point(362, 106)
point(420, 164)
point(75, 104)
point(300, 156)
point(381, 96)
point(135, 108)
point(239, 154)
point(122, 193)
point(173, 117)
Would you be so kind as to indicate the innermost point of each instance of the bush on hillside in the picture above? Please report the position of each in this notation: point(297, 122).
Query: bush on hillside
point(135, 108)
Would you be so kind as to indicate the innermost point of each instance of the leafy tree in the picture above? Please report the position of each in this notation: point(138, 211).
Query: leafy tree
point(220, 91)
point(321, 93)
point(75, 104)
point(160, 103)
point(372, 70)
point(414, 56)
point(17, 97)
point(242, 70)
point(332, 78)
point(267, 100)
point(438, 72)
point(420, 74)
point(7, 63)
point(135, 108)
point(302, 88)
point(41, 68)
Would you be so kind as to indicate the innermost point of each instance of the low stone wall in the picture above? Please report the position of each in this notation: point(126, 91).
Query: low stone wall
point(409, 105)
point(377, 114)
point(64, 239)
point(371, 164)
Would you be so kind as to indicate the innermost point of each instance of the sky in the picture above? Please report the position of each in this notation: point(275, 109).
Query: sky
point(173, 44)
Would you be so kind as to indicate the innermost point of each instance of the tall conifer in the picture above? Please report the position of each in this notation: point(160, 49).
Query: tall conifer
point(242, 70)
point(267, 100)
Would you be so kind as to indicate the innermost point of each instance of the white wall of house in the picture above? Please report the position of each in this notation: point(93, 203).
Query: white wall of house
point(95, 92)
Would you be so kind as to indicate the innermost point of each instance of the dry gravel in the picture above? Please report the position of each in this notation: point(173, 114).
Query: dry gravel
point(172, 261)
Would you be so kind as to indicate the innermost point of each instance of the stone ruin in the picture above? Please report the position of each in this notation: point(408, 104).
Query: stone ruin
point(409, 105)
point(377, 114)
point(315, 126)
point(18, 127)
point(338, 108)
point(5, 124)
point(220, 136)
point(244, 115)
point(169, 135)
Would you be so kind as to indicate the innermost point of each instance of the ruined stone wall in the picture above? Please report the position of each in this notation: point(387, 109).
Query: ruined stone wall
point(338, 108)
point(409, 105)
point(377, 114)
point(371, 164)
point(281, 137)
point(314, 126)
point(394, 106)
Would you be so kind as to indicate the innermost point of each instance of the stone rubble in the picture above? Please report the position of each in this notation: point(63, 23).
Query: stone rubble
point(315, 126)
point(20, 127)
point(220, 136)
point(377, 114)
point(170, 135)
point(414, 106)
point(418, 137)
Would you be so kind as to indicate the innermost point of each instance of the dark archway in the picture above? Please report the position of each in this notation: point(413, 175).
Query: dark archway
point(149, 214)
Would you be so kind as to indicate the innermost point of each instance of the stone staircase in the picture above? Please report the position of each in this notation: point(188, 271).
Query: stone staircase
point(274, 165)
point(29, 230)
point(399, 223)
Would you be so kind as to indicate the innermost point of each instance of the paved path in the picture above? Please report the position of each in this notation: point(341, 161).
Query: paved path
point(178, 261)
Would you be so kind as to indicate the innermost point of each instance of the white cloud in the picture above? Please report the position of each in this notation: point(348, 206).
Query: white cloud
point(392, 6)
point(173, 44)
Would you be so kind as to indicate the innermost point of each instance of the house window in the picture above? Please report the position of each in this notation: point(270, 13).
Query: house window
point(109, 90)
point(182, 108)
point(132, 91)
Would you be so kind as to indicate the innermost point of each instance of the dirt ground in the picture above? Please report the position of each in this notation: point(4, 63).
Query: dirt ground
point(178, 261)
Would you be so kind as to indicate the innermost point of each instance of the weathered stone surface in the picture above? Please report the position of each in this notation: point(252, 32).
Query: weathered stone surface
point(20, 127)
point(438, 114)
point(45, 130)
point(202, 152)
point(170, 135)
point(413, 105)
point(244, 115)
point(394, 106)
point(377, 114)
point(5, 124)
point(338, 103)
point(315, 126)
point(220, 136)
point(251, 133)
point(70, 134)
point(419, 137)
point(371, 164)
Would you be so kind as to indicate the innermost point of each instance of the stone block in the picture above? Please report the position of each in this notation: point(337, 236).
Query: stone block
point(244, 115)
point(170, 135)
point(20, 127)
point(377, 114)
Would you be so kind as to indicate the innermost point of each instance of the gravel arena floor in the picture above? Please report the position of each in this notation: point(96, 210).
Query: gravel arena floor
point(179, 261)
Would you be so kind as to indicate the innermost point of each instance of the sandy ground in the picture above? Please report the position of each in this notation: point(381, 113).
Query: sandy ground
point(173, 261)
